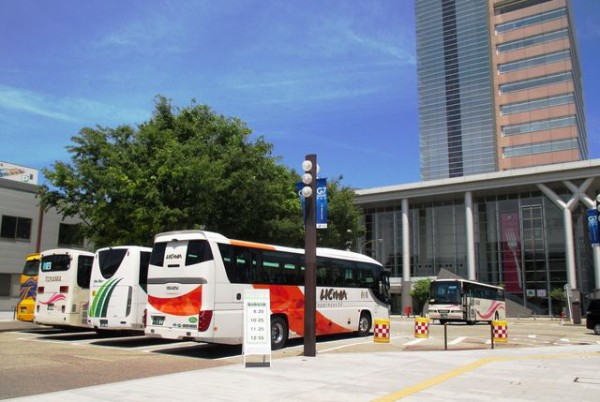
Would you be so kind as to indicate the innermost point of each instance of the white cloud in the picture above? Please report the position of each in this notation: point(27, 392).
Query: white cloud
point(67, 109)
point(30, 102)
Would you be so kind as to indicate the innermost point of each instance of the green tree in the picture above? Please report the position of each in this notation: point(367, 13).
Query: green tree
point(420, 293)
point(558, 296)
point(185, 168)
point(344, 227)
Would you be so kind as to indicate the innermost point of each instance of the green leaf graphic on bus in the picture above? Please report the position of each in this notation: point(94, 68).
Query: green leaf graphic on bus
point(100, 303)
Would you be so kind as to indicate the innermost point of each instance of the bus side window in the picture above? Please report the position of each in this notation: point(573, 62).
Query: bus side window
point(144, 261)
point(84, 271)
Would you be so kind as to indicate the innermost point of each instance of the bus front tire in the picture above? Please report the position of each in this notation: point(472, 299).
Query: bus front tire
point(279, 332)
point(364, 324)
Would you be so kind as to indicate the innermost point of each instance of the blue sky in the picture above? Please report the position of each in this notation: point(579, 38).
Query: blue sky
point(335, 78)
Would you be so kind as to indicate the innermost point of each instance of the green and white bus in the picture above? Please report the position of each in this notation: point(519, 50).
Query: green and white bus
point(118, 288)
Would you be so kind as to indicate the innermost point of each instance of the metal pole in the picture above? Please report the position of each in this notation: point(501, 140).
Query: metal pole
point(310, 262)
point(492, 333)
point(445, 336)
point(470, 236)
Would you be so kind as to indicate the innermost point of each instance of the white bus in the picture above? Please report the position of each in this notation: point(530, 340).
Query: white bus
point(118, 290)
point(467, 301)
point(196, 282)
point(63, 288)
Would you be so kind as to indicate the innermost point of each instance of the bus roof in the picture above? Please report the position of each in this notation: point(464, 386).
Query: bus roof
point(181, 235)
point(142, 248)
point(56, 251)
point(468, 281)
point(32, 256)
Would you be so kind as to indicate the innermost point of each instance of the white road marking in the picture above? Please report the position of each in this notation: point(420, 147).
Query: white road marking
point(457, 340)
point(416, 341)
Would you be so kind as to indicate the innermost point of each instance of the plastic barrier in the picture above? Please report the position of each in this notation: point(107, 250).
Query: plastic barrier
point(421, 327)
point(500, 331)
point(381, 331)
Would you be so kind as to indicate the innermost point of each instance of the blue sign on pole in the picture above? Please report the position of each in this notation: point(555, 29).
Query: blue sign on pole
point(322, 203)
point(592, 215)
point(321, 200)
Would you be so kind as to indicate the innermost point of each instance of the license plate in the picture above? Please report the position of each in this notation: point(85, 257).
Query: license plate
point(444, 315)
point(104, 323)
point(158, 320)
point(50, 307)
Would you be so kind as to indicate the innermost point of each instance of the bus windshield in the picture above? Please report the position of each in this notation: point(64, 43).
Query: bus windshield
point(110, 260)
point(31, 268)
point(445, 293)
point(58, 262)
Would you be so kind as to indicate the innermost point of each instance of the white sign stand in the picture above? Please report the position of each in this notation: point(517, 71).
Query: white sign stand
point(257, 326)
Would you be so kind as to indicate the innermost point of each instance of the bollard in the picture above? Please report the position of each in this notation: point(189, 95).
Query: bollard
point(500, 329)
point(421, 327)
point(381, 331)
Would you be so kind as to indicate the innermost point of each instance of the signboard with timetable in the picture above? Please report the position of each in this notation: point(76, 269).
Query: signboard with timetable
point(257, 326)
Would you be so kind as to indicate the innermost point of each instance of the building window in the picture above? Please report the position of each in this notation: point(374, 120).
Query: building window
point(70, 235)
point(540, 148)
point(534, 61)
point(531, 20)
point(535, 82)
point(509, 6)
point(532, 41)
point(14, 227)
point(536, 104)
point(539, 125)
point(5, 284)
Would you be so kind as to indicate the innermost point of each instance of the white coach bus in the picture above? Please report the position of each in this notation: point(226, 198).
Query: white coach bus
point(63, 288)
point(466, 301)
point(118, 290)
point(196, 282)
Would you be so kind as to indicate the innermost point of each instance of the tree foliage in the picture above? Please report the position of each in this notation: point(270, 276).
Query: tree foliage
point(420, 293)
point(343, 228)
point(185, 168)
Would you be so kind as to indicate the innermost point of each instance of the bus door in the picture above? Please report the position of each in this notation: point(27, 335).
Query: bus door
point(469, 306)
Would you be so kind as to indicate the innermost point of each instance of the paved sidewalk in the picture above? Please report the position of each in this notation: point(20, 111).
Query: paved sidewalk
point(566, 373)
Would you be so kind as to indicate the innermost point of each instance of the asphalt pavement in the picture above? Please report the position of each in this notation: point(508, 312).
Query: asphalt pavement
point(549, 373)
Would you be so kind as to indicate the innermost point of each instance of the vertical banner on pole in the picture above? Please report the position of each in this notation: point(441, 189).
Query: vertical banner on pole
point(322, 203)
point(592, 215)
point(321, 200)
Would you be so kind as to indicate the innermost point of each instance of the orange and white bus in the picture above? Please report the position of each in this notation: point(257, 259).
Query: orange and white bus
point(63, 288)
point(196, 282)
point(28, 290)
point(466, 301)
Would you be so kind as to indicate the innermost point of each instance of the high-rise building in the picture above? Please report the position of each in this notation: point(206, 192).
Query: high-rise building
point(499, 86)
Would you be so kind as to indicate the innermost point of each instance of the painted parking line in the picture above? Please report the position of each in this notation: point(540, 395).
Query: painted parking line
point(470, 367)
point(457, 340)
point(416, 341)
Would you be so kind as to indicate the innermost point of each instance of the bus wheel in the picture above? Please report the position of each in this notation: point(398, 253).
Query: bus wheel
point(279, 332)
point(364, 324)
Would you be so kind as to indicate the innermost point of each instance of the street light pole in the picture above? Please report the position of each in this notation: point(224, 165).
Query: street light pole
point(360, 250)
point(310, 257)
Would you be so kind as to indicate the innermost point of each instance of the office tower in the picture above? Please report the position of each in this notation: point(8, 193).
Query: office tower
point(499, 86)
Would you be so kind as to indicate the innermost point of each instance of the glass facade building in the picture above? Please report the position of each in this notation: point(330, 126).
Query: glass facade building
point(476, 60)
point(455, 88)
point(520, 231)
